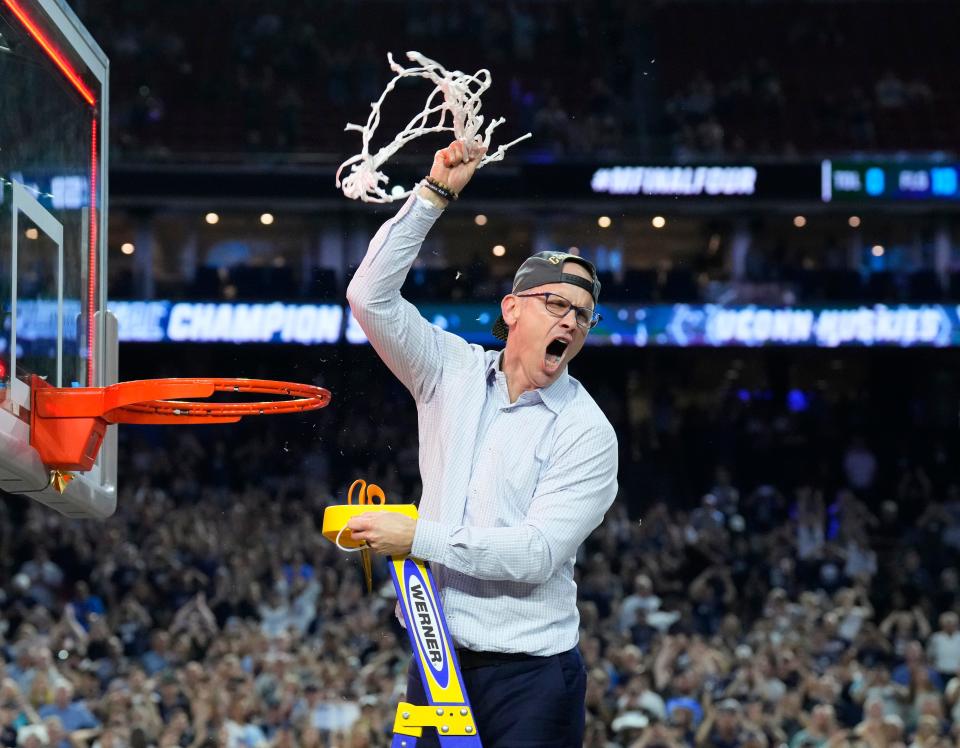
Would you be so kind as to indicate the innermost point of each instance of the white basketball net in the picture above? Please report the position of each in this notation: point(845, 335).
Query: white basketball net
point(460, 100)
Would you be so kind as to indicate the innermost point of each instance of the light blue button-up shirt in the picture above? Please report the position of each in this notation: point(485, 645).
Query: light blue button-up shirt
point(510, 490)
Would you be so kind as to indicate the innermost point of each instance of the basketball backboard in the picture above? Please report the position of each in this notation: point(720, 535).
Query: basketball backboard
point(53, 221)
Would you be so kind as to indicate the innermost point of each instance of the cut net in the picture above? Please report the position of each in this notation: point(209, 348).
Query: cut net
point(455, 103)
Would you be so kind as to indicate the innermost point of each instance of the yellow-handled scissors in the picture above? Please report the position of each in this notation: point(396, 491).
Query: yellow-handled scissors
point(367, 495)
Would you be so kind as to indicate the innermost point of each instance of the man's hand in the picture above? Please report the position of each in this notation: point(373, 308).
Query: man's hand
point(454, 166)
point(386, 533)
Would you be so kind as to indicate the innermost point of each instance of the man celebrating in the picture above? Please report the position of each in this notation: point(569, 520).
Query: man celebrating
point(518, 466)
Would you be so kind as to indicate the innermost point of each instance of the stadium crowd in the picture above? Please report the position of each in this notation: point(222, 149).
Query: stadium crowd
point(287, 79)
point(767, 579)
point(598, 80)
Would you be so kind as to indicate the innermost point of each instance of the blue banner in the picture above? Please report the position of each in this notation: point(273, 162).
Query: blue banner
point(635, 325)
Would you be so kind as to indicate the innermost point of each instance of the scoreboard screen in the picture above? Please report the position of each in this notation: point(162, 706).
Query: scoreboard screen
point(865, 181)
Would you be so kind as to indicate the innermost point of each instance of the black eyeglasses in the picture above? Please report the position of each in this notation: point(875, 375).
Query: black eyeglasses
point(559, 306)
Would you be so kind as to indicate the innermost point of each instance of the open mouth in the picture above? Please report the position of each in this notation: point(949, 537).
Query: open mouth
point(555, 351)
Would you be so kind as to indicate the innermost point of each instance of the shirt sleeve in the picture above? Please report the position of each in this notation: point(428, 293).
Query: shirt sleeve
point(578, 486)
point(408, 344)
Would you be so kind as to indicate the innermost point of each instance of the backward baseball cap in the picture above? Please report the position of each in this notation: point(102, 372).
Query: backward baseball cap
point(547, 267)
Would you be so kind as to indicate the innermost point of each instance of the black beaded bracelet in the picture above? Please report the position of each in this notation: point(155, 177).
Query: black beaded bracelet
point(440, 188)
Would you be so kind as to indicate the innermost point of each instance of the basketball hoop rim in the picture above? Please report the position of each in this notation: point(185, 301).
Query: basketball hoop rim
point(157, 400)
point(68, 424)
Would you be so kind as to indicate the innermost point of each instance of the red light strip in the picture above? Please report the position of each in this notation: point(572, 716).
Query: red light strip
point(59, 60)
point(92, 274)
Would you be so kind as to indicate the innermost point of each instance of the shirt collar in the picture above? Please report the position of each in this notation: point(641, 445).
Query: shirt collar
point(493, 364)
point(554, 396)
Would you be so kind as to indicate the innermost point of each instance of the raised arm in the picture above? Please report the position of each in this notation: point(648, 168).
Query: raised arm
point(407, 343)
point(887, 624)
point(923, 625)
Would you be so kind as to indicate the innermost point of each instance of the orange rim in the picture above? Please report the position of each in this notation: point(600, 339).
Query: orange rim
point(302, 397)
point(68, 424)
point(158, 400)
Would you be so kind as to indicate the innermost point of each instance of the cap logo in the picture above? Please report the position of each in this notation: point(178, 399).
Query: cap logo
point(555, 259)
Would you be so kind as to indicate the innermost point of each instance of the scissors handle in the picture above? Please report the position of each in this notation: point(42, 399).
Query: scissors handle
point(367, 493)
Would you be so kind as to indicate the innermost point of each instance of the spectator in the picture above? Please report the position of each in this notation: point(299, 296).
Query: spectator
point(240, 732)
point(722, 727)
point(72, 715)
point(711, 593)
point(811, 531)
point(86, 604)
point(928, 732)
point(905, 626)
point(171, 699)
point(34, 736)
point(853, 608)
point(944, 647)
point(914, 659)
point(952, 698)
point(157, 658)
point(684, 715)
point(860, 560)
point(925, 698)
point(641, 599)
point(44, 575)
point(818, 732)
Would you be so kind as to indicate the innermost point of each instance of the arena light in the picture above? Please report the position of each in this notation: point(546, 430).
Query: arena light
point(877, 250)
point(604, 222)
point(266, 219)
point(499, 250)
point(127, 248)
point(799, 221)
point(480, 219)
point(211, 218)
point(854, 222)
point(58, 59)
point(32, 233)
point(659, 222)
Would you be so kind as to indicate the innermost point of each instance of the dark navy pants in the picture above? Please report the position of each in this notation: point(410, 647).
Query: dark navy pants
point(536, 703)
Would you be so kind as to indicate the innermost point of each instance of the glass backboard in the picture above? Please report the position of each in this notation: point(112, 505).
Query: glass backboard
point(53, 210)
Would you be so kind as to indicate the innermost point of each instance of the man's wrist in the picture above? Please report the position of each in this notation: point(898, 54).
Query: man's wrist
point(429, 540)
point(432, 197)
